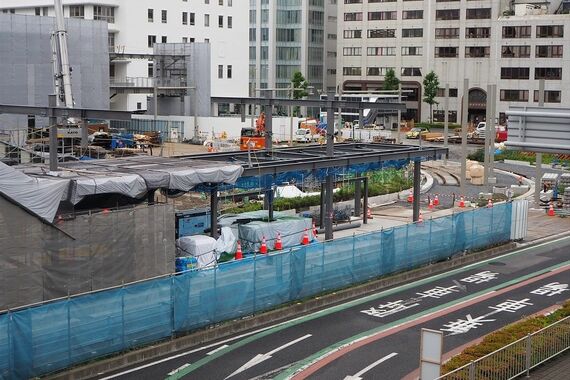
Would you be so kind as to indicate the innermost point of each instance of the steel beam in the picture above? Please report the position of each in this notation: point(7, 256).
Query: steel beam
point(312, 103)
point(80, 113)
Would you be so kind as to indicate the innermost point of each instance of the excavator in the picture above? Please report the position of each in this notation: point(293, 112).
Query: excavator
point(253, 138)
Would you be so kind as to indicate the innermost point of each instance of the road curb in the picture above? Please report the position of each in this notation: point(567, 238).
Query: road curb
point(278, 315)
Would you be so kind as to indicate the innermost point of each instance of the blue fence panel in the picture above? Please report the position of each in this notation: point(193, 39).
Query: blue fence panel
point(192, 304)
point(5, 347)
point(367, 257)
point(147, 311)
point(233, 295)
point(307, 270)
point(338, 263)
point(272, 280)
point(41, 340)
point(95, 322)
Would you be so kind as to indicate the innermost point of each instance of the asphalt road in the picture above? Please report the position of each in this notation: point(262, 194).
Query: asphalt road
point(377, 337)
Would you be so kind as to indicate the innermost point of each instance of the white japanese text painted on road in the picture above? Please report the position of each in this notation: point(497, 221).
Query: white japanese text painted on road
point(551, 289)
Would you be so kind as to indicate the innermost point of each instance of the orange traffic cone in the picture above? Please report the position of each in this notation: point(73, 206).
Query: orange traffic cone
point(436, 201)
point(315, 231)
point(369, 214)
point(305, 240)
point(420, 218)
point(551, 210)
point(278, 242)
point(239, 253)
point(263, 248)
point(410, 197)
point(490, 203)
point(462, 202)
point(430, 205)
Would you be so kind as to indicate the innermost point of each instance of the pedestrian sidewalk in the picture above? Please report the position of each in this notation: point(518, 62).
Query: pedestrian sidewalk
point(555, 369)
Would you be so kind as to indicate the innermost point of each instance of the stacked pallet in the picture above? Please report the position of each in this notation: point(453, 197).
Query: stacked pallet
point(565, 180)
point(566, 199)
point(550, 180)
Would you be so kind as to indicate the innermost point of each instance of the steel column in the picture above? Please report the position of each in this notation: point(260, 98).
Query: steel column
point(52, 102)
point(268, 121)
point(493, 96)
point(214, 210)
point(365, 213)
point(357, 197)
point(538, 176)
point(329, 208)
point(323, 205)
point(330, 125)
point(417, 189)
point(446, 121)
point(464, 121)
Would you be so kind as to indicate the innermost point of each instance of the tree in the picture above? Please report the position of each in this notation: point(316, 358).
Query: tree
point(391, 81)
point(431, 86)
point(299, 85)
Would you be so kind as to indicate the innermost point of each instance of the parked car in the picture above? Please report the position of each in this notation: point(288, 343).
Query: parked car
point(305, 135)
point(415, 132)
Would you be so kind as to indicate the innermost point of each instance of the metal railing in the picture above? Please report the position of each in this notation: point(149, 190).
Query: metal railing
point(519, 357)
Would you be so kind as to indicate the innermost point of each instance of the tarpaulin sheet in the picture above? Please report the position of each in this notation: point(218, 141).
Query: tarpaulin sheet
point(291, 230)
point(52, 336)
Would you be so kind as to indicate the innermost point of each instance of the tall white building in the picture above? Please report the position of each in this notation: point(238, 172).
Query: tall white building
point(135, 25)
point(286, 36)
point(512, 44)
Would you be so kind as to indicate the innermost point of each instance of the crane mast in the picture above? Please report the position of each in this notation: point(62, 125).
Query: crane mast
point(60, 59)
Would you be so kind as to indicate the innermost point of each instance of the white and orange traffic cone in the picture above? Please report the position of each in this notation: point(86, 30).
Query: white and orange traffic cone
point(490, 203)
point(263, 248)
point(430, 205)
point(369, 213)
point(551, 210)
point(410, 197)
point(462, 202)
point(436, 200)
point(420, 218)
point(305, 239)
point(239, 253)
point(278, 242)
point(315, 231)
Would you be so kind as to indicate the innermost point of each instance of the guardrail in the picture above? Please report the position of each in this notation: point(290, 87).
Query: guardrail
point(519, 357)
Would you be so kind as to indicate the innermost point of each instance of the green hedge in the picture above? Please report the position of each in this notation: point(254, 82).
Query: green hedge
point(436, 126)
point(503, 337)
point(479, 155)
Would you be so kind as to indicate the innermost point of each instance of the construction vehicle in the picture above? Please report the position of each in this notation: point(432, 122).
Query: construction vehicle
point(253, 138)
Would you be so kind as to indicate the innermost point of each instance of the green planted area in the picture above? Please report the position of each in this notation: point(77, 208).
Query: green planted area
point(380, 182)
point(516, 155)
point(501, 338)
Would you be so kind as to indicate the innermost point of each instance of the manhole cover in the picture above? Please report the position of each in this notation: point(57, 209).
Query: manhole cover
point(497, 263)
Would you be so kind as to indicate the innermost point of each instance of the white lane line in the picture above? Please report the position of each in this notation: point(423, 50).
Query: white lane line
point(178, 369)
point(217, 349)
point(263, 357)
point(357, 376)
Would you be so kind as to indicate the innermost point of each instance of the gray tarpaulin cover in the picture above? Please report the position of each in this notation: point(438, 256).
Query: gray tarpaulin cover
point(199, 246)
point(39, 195)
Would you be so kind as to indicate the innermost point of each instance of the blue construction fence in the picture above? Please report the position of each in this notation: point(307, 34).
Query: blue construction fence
point(55, 335)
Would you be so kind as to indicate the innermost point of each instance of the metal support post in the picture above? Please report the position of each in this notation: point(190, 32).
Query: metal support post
point(446, 122)
point(360, 122)
point(329, 208)
point(493, 96)
point(322, 208)
point(464, 120)
point(487, 150)
point(538, 175)
point(398, 138)
point(528, 354)
point(269, 198)
point(214, 210)
point(365, 213)
point(268, 122)
point(357, 197)
point(417, 189)
point(84, 136)
point(330, 125)
point(52, 102)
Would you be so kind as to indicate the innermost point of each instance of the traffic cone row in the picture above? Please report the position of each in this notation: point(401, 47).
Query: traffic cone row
point(551, 210)
point(305, 240)
point(263, 248)
point(278, 242)
point(239, 253)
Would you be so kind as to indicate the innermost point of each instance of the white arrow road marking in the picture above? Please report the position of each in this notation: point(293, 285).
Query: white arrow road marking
point(178, 369)
point(363, 371)
point(460, 285)
point(263, 357)
point(217, 349)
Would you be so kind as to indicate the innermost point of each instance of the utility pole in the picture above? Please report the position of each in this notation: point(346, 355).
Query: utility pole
point(398, 138)
point(329, 179)
point(464, 120)
point(538, 180)
point(491, 146)
point(446, 121)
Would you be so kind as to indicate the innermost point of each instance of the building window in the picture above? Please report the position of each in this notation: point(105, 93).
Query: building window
point(150, 69)
point(413, 15)
point(151, 40)
point(352, 71)
point(184, 40)
point(150, 15)
point(447, 14)
point(516, 31)
point(411, 72)
point(104, 13)
point(184, 18)
point(515, 73)
point(349, 34)
point(220, 71)
point(221, 2)
point(549, 96)
point(352, 51)
point(385, 15)
point(477, 51)
point(111, 41)
point(381, 51)
point(514, 95)
point(548, 73)
point(220, 21)
point(411, 33)
point(229, 72)
point(446, 52)
point(546, 31)
point(139, 106)
point(164, 16)
point(381, 33)
point(38, 11)
point(515, 51)
point(206, 20)
point(164, 39)
point(353, 16)
point(76, 11)
point(452, 92)
point(192, 18)
point(412, 50)
point(549, 51)
point(477, 32)
point(446, 33)
point(230, 22)
point(439, 116)
point(478, 13)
